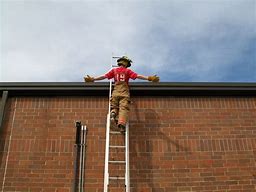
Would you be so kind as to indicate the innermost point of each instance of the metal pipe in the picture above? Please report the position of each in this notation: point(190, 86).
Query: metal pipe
point(81, 161)
point(78, 132)
point(76, 161)
point(80, 153)
point(2, 108)
point(84, 131)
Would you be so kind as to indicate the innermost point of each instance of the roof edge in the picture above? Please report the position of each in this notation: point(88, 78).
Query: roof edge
point(137, 89)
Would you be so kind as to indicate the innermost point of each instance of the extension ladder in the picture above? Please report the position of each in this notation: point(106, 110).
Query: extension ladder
point(113, 177)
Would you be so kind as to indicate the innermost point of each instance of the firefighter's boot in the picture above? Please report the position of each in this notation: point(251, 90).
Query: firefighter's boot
point(113, 116)
point(121, 128)
point(113, 121)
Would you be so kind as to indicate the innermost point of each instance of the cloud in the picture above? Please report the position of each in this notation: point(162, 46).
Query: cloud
point(179, 40)
point(201, 41)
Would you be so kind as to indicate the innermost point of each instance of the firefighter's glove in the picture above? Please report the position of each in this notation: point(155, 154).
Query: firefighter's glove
point(88, 79)
point(154, 78)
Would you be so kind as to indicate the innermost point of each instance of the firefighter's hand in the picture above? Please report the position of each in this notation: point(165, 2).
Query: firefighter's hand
point(88, 79)
point(154, 78)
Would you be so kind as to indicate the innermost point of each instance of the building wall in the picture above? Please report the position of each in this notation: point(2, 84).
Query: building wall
point(176, 143)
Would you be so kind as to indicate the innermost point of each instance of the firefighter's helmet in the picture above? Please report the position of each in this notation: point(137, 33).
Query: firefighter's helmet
point(124, 58)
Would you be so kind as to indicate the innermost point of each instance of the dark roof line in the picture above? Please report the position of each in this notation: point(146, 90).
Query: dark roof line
point(137, 89)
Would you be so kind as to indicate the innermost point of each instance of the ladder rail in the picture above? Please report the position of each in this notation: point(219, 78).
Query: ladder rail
point(127, 168)
point(106, 174)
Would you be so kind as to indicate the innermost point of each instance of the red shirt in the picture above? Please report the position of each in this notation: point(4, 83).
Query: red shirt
point(121, 74)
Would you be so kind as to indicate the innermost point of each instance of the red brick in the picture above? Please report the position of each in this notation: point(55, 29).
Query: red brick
point(176, 143)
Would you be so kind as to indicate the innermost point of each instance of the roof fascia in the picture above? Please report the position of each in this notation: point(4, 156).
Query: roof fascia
point(137, 89)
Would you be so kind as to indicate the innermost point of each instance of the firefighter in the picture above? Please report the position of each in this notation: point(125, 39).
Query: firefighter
point(120, 99)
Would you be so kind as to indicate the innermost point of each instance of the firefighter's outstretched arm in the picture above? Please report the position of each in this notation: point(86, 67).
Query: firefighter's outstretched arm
point(92, 79)
point(153, 78)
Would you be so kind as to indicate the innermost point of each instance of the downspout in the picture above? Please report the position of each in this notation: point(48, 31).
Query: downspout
point(2, 108)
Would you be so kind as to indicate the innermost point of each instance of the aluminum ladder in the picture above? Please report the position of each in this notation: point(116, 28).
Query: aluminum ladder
point(110, 148)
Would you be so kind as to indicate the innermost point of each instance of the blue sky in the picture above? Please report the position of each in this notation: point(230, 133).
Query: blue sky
point(179, 40)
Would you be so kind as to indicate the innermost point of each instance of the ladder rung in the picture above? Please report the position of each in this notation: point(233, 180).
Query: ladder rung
point(116, 161)
point(117, 178)
point(116, 57)
point(116, 146)
point(115, 132)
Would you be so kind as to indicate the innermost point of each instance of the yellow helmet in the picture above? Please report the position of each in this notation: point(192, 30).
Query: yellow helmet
point(124, 58)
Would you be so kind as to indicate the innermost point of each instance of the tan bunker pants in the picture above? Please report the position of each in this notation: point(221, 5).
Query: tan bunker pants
point(120, 102)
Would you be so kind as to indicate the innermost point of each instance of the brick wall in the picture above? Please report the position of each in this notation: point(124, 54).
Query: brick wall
point(176, 143)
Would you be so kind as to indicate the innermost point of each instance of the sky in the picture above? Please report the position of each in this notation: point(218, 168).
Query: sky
point(179, 40)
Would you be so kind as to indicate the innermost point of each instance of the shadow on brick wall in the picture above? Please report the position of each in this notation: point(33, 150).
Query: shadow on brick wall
point(145, 172)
